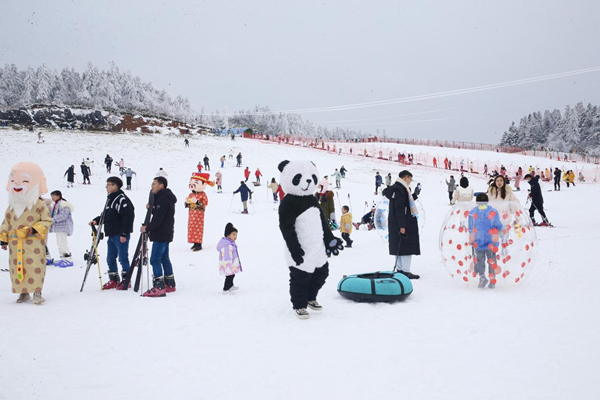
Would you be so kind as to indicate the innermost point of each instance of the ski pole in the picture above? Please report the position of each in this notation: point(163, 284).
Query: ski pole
point(350, 201)
point(231, 202)
point(339, 202)
point(97, 258)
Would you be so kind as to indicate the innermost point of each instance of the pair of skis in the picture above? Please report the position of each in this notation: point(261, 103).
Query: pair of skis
point(140, 257)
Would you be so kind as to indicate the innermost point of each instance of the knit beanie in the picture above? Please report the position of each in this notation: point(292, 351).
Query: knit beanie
point(229, 228)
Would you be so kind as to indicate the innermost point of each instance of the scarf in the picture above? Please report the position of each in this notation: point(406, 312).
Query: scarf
point(411, 202)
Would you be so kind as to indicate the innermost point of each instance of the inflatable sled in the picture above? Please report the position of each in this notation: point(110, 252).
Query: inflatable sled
point(384, 286)
point(256, 183)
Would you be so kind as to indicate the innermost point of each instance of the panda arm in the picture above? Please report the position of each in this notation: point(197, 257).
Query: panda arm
point(287, 225)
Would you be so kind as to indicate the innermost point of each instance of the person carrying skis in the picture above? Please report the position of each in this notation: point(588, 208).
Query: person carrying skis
point(537, 201)
point(160, 231)
point(378, 182)
point(206, 162)
point(338, 179)
point(129, 173)
point(247, 174)
point(244, 192)
point(257, 174)
point(451, 187)
point(229, 259)
point(108, 160)
point(557, 173)
point(118, 226)
point(86, 173)
point(484, 227)
point(61, 213)
point(70, 174)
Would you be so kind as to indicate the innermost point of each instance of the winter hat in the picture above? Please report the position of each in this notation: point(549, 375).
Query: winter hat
point(464, 182)
point(229, 228)
point(203, 177)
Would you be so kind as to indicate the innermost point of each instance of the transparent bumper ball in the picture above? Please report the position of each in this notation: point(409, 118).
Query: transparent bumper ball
point(382, 213)
point(488, 244)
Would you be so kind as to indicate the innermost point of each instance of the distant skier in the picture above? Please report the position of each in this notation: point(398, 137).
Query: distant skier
point(206, 162)
point(378, 182)
point(186, 142)
point(108, 160)
point(451, 187)
point(518, 177)
point(274, 186)
point(343, 171)
point(223, 161)
point(247, 174)
point(338, 179)
point(40, 138)
point(434, 162)
point(219, 181)
point(88, 164)
point(129, 173)
point(557, 173)
point(70, 174)
point(537, 200)
point(85, 171)
point(257, 174)
point(244, 192)
point(239, 159)
point(388, 180)
point(121, 165)
point(446, 163)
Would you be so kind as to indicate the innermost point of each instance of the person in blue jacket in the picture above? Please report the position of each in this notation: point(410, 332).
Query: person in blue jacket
point(484, 230)
point(378, 182)
point(244, 192)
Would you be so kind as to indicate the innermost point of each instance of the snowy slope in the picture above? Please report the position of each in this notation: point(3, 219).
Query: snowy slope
point(445, 341)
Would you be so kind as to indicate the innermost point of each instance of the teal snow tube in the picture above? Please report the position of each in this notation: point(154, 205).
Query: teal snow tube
point(381, 286)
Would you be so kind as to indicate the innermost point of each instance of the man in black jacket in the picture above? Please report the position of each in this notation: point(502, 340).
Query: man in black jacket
point(118, 225)
point(557, 174)
point(403, 238)
point(160, 230)
point(537, 201)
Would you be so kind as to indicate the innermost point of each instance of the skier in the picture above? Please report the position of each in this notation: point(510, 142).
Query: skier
point(434, 162)
point(463, 192)
point(557, 173)
point(274, 186)
point(88, 164)
point(257, 174)
point(378, 182)
point(388, 180)
point(160, 232)
point(118, 225)
point(338, 179)
point(451, 187)
point(229, 259)
point(239, 159)
point(343, 171)
point(121, 165)
point(129, 173)
point(485, 169)
point(537, 201)
point(40, 138)
point(367, 219)
point(108, 160)
point(244, 192)
point(70, 174)
point(247, 174)
point(206, 162)
point(86, 173)
point(186, 142)
point(162, 172)
point(61, 213)
point(219, 181)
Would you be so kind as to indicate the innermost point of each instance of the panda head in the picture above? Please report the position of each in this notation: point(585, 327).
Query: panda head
point(298, 178)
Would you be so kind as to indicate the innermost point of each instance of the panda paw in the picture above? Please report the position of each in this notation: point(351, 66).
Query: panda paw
point(298, 257)
point(334, 247)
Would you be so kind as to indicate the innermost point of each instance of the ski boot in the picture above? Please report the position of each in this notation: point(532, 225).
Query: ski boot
point(121, 285)
point(23, 297)
point(313, 305)
point(245, 212)
point(170, 284)
point(301, 313)
point(158, 290)
point(38, 299)
point(483, 281)
point(113, 282)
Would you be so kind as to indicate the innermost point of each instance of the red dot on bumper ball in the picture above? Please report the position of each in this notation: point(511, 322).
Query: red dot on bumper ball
point(458, 246)
point(458, 271)
point(523, 230)
point(465, 279)
point(527, 247)
point(510, 241)
point(466, 213)
point(461, 229)
point(494, 281)
point(450, 241)
point(517, 280)
point(474, 274)
point(453, 226)
point(523, 264)
point(495, 249)
point(505, 216)
point(460, 263)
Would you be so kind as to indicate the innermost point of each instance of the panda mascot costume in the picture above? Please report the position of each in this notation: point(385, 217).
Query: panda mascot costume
point(307, 235)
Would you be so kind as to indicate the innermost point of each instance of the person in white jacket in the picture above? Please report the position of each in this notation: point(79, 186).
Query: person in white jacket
point(463, 192)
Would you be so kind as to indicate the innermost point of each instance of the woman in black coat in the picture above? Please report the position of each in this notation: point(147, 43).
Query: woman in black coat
point(403, 228)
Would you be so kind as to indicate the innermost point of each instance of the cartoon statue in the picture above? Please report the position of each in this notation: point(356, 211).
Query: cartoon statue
point(197, 202)
point(24, 230)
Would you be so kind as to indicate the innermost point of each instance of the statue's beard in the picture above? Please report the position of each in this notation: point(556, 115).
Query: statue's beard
point(23, 200)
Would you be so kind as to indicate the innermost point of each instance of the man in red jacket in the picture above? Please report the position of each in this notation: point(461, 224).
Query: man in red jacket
point(247, 174)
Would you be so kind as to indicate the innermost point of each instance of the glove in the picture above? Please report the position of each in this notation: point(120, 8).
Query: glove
point(297, 257)
point(417, 190)
point(347, 227)
point(334, 247)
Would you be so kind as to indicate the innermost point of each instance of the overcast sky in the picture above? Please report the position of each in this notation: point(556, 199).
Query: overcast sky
point(307, 54)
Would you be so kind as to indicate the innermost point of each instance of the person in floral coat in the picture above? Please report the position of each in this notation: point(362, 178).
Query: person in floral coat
point(229, 258)
point(197, 202)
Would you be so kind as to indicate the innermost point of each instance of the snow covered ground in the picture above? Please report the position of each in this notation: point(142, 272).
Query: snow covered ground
point(445, 341)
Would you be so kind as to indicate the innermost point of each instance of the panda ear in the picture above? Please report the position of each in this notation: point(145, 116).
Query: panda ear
point(282, 165)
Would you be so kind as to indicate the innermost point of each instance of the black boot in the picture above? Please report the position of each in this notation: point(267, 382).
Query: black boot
point(197, 247)
point(170, 283)
point(409, 275)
